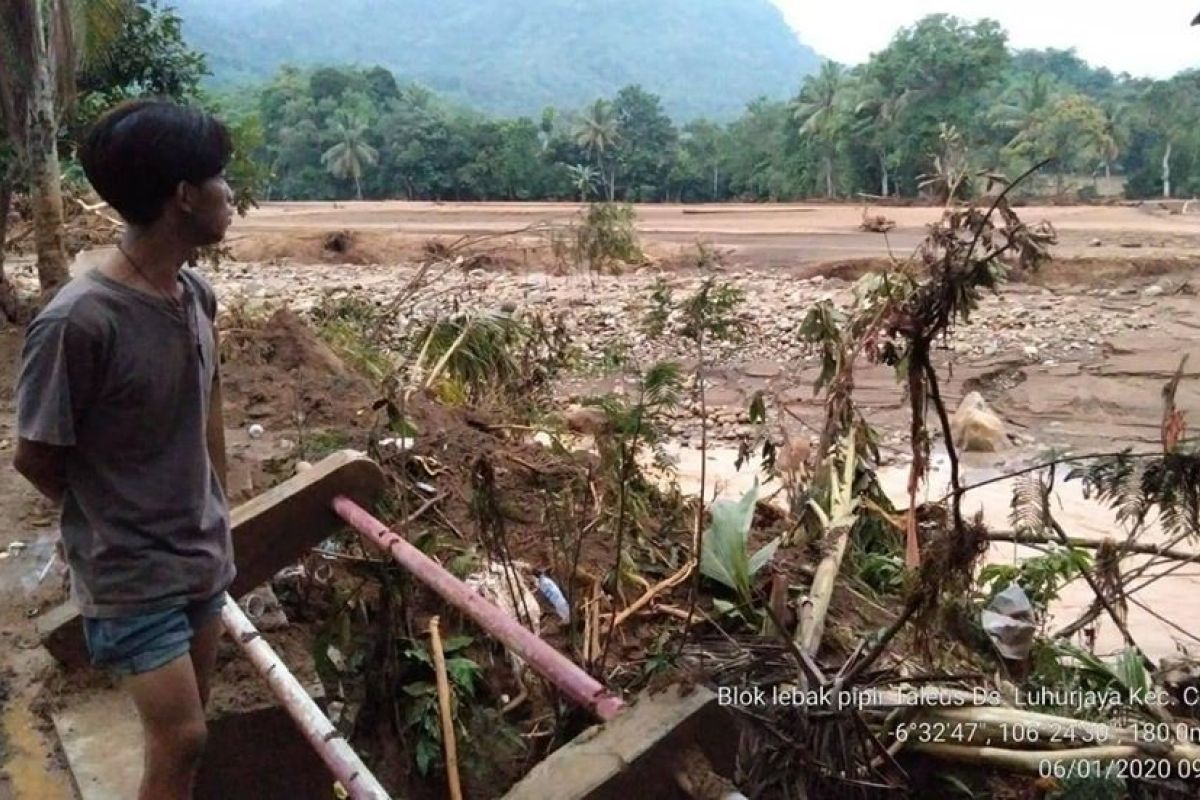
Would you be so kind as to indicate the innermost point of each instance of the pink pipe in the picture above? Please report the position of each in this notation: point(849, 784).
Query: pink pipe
point(545, 660)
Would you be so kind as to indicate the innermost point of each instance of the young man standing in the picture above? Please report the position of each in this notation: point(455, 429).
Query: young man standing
point(119, 423)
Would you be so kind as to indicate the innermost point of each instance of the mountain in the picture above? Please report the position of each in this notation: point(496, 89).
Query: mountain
point(703, 57)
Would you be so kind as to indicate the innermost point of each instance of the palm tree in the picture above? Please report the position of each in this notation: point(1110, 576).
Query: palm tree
point(42, 45)
point(1026, 106)
point(597, 134)
point(878, 111)
point(351, 154)
point(1113, 135)
point(818, 109)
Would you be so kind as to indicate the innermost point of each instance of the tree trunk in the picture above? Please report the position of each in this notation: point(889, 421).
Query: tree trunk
point(41, 154)
point(1166, 172)
point(716, 175)
point(829, 177)
point(357, 186)
point(612, 183)
point(1107, 170)
point(885, 176)
point(10, 305)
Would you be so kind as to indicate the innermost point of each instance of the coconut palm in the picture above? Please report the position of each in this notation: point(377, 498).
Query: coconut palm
point(42, 45)
point(819, 110)
point(877, 112)
point(351, 155)
point(597, 134)
point(1025, 106)
point(1114, 134)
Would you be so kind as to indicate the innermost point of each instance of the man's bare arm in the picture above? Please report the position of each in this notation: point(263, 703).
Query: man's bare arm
point(44, 466)
point(215, 432)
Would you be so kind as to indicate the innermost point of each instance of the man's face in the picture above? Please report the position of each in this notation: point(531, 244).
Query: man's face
point(208, 208)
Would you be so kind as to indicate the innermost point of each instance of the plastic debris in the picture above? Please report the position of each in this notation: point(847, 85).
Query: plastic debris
point(554, 596)
point(1008, 621)
point(502, 587)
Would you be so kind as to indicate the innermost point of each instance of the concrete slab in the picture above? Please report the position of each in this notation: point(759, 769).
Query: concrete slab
point(635, 754)
point(271, 531)
point(254, 748)
point(102, 738)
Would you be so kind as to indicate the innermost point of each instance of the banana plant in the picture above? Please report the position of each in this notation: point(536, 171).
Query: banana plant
point(725, 557)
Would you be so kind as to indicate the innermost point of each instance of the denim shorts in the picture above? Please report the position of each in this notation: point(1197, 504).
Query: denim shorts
point(142, 643)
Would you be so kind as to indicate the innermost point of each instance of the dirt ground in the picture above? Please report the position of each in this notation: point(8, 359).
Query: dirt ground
point(772, 236)
point(309, 403)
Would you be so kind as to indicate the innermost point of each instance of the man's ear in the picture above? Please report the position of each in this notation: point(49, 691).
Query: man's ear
point(183, 196)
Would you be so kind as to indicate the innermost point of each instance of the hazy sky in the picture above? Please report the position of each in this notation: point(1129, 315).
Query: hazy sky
point(1143, 38)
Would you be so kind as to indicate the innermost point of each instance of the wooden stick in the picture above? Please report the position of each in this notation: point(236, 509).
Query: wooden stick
point(655, 590)
point(1122, 548)
point(449, 743)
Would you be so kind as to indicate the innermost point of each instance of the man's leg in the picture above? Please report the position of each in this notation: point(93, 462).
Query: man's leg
point(205, 642)
point(168, 701)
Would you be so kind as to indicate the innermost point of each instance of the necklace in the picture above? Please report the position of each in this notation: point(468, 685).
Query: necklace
point(175, 303)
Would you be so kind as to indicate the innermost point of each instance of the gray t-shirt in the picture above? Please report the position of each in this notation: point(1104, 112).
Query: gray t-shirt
point(123, 379)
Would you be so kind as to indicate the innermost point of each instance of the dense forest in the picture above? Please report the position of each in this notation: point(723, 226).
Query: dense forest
point(512, 57)
point(943, 102)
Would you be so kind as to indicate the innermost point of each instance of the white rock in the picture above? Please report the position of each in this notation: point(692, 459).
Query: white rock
point(255, 431)
point(977, 428)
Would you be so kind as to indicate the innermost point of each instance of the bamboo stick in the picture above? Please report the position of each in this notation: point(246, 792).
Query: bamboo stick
point(449, 742)
point(842, 505)
point(655, 590)
point(333, 749)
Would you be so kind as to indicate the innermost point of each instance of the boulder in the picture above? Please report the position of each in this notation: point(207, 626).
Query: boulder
point(976, 428)
point(587, 420)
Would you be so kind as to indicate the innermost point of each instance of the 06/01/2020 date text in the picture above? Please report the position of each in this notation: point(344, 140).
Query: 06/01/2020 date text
point(1145, 769)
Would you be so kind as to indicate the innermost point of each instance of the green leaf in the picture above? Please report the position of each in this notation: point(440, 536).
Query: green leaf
point(764, 556)
point(723, 607)
point(419, 689)
point(455, 643)
point(463, 672)
point(724, 558)
point(426, 755)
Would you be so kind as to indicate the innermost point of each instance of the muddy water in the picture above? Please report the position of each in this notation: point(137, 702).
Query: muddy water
point(1175, 598)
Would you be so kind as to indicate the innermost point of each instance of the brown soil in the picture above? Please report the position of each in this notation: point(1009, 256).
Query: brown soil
point(757, 236)
point(274, 369)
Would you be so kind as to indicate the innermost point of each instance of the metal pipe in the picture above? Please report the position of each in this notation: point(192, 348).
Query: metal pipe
point(552, 665)
point(337, 754)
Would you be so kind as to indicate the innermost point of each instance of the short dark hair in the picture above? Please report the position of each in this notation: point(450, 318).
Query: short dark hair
point(139, 152)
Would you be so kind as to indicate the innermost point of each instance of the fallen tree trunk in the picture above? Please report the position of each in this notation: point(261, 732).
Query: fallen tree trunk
point(1094, 544)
